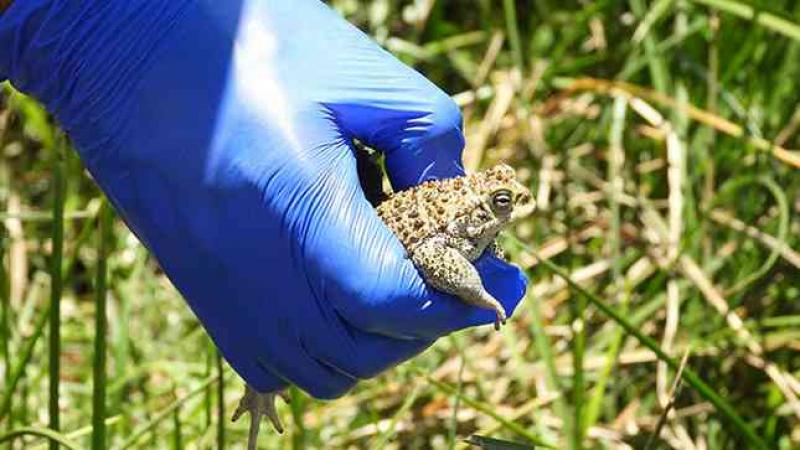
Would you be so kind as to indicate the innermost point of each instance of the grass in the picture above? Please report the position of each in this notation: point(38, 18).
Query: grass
point(99, 390)
point(56, 285)
point(661, 140)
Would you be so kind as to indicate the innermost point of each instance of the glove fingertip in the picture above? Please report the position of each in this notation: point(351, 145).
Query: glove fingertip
point(506, 282)
point(255, 375)
point(431, 145)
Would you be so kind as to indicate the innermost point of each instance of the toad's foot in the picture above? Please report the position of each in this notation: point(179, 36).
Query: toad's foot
point(498, 251)
point(501, 314)
point(259, 405)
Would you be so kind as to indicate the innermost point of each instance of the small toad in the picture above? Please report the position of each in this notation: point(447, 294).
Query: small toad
point(445, 225)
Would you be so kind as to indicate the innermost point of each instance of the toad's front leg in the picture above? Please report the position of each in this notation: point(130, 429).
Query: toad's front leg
point(259, 405)
point(445, 269)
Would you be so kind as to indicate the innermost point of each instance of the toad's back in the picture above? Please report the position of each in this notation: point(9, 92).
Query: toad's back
point(426, 210)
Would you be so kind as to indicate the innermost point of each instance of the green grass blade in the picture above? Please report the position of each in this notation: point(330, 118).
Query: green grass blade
point(208, 398)
point(167, 412)
point(512, 28)
point(578, 347)
point(48, 434)
point(5, 305)
point(782, 202)
point(82, 432)
point(5, 319)
point(19, 368)
point(177, 433)
point(658, 68)
point(546, 353)
point(383, 439)
point(298, 407)
point(486, 409)
point(56, 284)
point(101, 326)
point(616, 159)
point(765, 19)
point(453, 426)
point(221, 419)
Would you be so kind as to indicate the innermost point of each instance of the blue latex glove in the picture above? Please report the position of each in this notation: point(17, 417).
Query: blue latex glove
point(221, 131)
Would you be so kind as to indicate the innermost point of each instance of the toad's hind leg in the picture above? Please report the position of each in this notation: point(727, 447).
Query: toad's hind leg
point(259, 405)
point(445, 269)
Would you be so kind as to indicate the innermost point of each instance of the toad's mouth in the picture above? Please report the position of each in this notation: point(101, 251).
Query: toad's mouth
point(525, 206)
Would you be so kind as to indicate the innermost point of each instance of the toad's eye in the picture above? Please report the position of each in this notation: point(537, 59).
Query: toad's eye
point(502, 199)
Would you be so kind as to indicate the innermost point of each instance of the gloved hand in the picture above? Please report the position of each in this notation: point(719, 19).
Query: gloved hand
point(222, 133)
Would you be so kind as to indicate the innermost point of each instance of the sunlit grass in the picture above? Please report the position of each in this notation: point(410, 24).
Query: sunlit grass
point(661, 139)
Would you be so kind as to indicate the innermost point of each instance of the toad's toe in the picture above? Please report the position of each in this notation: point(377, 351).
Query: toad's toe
point(259, 405)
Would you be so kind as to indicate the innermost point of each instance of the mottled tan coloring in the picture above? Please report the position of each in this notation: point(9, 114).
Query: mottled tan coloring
point(445, 225)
